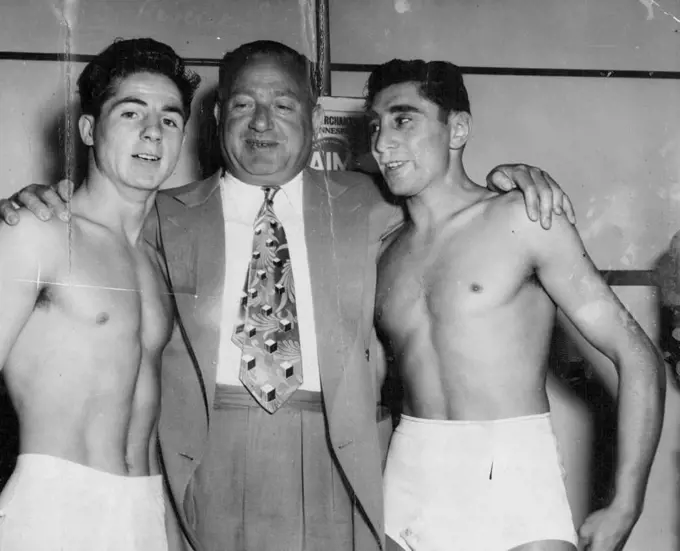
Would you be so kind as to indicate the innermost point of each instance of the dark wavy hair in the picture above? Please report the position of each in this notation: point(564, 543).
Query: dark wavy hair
point(299, 65)
point(440, 82)
point(123, 58)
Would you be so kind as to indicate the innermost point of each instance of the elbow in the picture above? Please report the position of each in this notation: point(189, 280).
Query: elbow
point(646, 372)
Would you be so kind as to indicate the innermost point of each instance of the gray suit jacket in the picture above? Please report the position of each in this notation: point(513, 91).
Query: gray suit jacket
point(345, 221)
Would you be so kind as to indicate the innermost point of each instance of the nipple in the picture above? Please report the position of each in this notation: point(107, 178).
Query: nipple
point(102, 318)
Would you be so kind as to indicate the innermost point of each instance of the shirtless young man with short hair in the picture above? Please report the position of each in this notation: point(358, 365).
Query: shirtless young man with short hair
point(466, 301)
point(85, 320)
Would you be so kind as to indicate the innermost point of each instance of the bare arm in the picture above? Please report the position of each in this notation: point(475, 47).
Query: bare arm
point(26, 263)
point(568, 275)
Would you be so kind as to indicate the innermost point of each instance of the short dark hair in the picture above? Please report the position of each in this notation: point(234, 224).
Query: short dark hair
point(123, 58)
point(440, 82)
point(299, 65)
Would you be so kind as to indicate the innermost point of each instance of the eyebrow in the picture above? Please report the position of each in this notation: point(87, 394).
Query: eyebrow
point(286, 92)
point(393, 109)
point(404, 108)
point(168, 108)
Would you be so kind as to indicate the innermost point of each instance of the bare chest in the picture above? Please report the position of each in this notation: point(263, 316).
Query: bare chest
point(112, 291)
point(454, 278)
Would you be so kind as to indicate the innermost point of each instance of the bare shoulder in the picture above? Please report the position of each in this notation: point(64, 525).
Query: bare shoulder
point(33, 245)
point(504, 205)
point(33, 233)
point(511, 207)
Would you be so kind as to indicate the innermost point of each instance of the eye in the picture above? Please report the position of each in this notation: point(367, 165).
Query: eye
point(402, 120)
point(240, 104)
point(171, 123)
point(286, 108)
point(128, 114)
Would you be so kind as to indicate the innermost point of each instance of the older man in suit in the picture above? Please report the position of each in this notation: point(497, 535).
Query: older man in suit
point(271, 434)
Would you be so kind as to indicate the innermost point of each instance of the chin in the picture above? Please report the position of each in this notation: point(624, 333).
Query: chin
point(264, 169)
point(148, 185)
point(399, 189)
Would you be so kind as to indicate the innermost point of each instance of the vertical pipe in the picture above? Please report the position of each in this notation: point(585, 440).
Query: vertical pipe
point(323, 47)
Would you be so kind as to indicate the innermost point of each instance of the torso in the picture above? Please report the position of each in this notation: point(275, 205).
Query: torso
point(464, 319)
point(84, 371)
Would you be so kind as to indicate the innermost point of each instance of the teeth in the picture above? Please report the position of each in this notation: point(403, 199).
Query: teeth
point(147, 157)
point(394, 164)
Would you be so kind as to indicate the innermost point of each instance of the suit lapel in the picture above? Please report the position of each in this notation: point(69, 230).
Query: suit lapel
point(193, 238)
point(325, 282)
point(338, 252)
point(210, 287)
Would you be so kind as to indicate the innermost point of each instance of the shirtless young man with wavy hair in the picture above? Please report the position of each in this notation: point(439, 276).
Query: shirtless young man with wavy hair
point(85, 318)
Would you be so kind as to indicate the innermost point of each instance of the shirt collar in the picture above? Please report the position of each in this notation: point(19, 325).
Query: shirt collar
point(242, 201)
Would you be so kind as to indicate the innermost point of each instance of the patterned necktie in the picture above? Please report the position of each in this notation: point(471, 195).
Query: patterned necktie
point(267, 330)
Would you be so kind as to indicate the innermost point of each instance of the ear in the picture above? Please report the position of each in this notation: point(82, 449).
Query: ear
point(460, 123)
point(217, 111)
point(86, 127)
point(318, 114)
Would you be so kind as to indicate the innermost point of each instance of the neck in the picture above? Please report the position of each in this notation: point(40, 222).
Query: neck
point(444, 198)
point(122, 211)
point(259, 182)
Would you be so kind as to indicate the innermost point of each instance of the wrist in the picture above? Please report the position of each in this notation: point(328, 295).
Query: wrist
point(627, 505)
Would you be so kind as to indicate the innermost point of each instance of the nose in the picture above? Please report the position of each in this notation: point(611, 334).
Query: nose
point(383, 139)
point(152, 129)
point(261, 120)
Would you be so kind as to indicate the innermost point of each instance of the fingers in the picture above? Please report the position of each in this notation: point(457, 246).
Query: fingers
point(587, 533)
point(545, 196)
point(498, 180)
point(43, 201)
point(569, 209)
point(585, 542)
point(557, 194)
point(59, 202)
point(507, 177)
point(526, 183)
point(561, 201)
point(29, 198)
point(65, 189)
point(8, 212)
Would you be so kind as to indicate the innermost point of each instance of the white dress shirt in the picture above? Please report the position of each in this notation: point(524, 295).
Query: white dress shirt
point(240, 205)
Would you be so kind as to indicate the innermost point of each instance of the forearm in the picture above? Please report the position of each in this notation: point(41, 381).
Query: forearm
point(642, 383)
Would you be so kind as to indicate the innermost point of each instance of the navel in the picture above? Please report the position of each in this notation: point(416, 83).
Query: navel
point(102, 318)
point(476, 288)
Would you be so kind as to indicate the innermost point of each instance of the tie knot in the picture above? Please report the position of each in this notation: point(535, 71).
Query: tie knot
point(269, 193)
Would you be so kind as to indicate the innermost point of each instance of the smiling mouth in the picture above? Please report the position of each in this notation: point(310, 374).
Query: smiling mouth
point(147, 157)
point(259, 144)
point(394, 165)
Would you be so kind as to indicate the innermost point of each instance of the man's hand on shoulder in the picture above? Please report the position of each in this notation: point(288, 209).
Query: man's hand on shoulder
point(43, 201)
point(542, 195)
point(563, 235)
